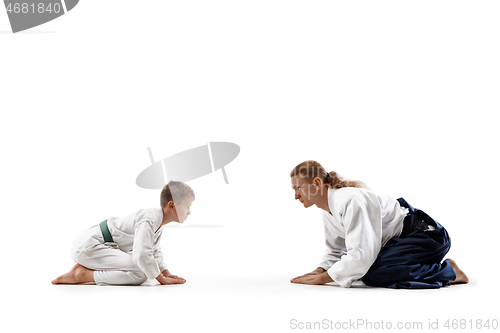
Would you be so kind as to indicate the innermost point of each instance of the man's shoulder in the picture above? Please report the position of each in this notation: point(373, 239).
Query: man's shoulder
point(347, 196)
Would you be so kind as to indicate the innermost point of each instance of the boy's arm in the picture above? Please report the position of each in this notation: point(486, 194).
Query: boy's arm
point(158, 255)
point(143, 249)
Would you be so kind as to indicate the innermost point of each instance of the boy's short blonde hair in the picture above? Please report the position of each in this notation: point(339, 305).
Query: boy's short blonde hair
point(176, 192)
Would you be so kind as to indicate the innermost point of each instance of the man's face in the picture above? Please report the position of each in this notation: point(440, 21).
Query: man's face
point(304, 192)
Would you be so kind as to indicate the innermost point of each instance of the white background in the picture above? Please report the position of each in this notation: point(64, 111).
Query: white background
point(399, 94)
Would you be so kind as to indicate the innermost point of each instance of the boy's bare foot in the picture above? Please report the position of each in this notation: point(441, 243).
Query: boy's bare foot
point(461, 277)
point(78, 274)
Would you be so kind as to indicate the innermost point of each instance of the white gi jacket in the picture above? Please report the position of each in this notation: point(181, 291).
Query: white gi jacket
point(140, 233)
point(360, 223)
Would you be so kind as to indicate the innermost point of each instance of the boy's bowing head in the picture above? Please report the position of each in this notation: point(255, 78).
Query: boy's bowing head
point(176, 198)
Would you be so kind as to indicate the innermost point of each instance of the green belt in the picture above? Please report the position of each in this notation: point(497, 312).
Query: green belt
point(105, 231)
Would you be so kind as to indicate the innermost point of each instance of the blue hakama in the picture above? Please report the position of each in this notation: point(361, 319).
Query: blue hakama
point(413, 260)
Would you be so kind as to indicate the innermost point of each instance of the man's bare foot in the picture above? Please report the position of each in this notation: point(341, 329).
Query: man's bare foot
point(78, 274)
point(461, 277)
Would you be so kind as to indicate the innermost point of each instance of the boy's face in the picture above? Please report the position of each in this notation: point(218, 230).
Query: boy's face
point(183, 210)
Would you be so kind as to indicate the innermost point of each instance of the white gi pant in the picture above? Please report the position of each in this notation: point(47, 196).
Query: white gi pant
point(111, 265)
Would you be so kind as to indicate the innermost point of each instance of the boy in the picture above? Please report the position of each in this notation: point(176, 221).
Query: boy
point(126, 250)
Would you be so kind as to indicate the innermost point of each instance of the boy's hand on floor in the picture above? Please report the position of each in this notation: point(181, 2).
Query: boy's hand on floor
point(166, 273)
point(171, 279)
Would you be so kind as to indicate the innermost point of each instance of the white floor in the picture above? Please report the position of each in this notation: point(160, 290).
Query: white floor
point(237, 281)
point(237, 304)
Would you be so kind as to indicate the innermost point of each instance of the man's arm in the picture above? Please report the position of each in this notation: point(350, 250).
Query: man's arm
point(363, 225)
point(335, 246)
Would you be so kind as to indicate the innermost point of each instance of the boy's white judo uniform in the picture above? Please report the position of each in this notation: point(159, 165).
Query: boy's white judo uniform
point(133, 257)
point(360, 223)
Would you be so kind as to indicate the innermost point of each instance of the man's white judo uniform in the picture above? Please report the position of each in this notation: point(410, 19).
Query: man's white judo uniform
point(134, 255)
point(360, 223)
